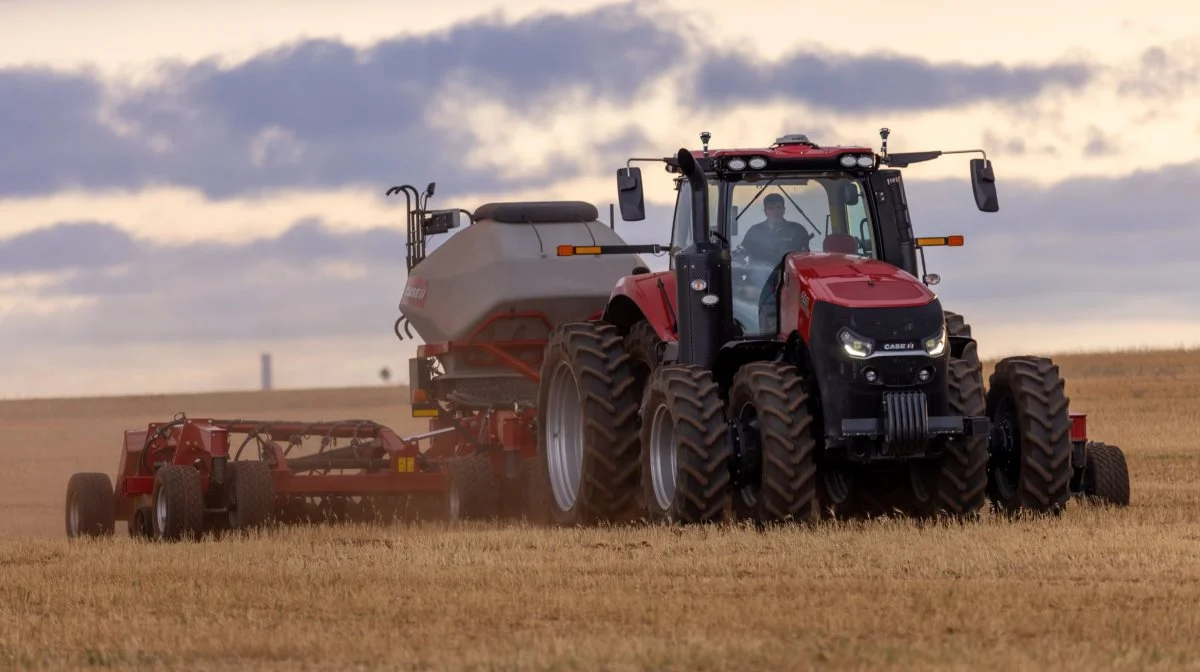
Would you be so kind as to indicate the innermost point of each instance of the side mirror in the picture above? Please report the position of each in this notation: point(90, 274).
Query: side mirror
point(629, 193)
point(983, 182)
point(440, 221)
point(429, 189)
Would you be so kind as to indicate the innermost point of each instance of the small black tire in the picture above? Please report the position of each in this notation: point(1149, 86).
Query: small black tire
point(1106, 476)
point(178, 502)
point(471, 492)
point(140, 526)
point(1029, 466)
point(683, 422)
point(251, 495)
point(90, 506)
point(767, 401)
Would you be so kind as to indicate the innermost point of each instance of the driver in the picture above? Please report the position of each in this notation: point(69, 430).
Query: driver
point(767, 241)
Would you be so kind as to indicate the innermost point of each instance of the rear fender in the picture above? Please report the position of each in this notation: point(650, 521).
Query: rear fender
point(649, 296)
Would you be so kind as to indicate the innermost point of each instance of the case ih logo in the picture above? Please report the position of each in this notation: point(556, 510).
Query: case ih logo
point(900, 346)
point(414, 292)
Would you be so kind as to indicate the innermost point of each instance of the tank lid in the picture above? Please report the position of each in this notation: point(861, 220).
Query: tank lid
point(537, 212)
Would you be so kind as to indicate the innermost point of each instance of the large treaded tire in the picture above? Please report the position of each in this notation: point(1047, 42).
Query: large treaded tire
point(956, 325)
point(641, 342)
point(600, 396)
point(1030, 463)
point(251, 501)
point(1106, 476)
point(768, 401)
point(178, 504)
point(684, 426)
point(90, 508)
point(960, 483)
point(471, 492)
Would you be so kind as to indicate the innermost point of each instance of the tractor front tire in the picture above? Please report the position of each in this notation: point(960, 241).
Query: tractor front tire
point(961, 479)
point(770, 408)
point(90, 510)
point(1029, 467)
point(686, 452)
point(1106, 476)
point(178, 502)
point(587, 425)
point(471, 492)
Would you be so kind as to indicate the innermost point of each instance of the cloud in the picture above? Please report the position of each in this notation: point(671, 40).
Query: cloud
point(874, 83)
point(321, 113)
point(1164, 74)
point(1105, 248)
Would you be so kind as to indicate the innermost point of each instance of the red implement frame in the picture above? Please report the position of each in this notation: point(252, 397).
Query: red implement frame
point(481, 352)
point(390, 464)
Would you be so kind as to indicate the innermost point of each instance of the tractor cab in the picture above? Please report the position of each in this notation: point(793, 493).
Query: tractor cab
point(795, 197)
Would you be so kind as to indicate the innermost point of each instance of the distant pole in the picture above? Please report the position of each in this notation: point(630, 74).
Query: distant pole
point(266, 371)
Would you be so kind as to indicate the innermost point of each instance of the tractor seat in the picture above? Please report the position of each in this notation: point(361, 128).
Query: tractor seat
point(840, 243)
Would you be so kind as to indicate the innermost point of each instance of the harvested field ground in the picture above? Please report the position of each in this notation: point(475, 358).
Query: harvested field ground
point(1096, 589)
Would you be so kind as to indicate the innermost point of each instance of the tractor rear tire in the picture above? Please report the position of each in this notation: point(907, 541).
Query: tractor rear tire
point(178, 502)
point(90, 509)
point(1106, 476)
point(767, 401)
point(642, 343)
point(251, 500)
point(471, 492)
point(961, 479)
point(587, 425)
point(686, 452)
point(956, 325)
point(1029, 468)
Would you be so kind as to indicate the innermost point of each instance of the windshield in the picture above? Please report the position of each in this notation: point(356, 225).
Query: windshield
point(779, 214)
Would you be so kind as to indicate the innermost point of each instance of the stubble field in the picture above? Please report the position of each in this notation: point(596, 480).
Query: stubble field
point(1097, 589)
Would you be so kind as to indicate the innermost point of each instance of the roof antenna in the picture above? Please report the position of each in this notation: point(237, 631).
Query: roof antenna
point(884, 133)
point(705, 136)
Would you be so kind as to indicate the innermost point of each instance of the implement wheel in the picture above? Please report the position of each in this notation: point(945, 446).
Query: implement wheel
point(471, 491)
point(251, 499)
point(1106, 476)
point(91, 511)
point(587, 425)
point(1029, 468)
point(769, 410)
point(178, 504)
point(685, 459)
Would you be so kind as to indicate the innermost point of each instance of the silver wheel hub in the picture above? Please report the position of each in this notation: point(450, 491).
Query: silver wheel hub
point(564, 437)
point(663, 458)
point(74, 514)
point(455, 504)
point(160, 512)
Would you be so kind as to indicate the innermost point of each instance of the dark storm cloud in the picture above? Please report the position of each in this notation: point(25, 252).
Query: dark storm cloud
point(1086, 248)
point(874, 83)
point(320, 113)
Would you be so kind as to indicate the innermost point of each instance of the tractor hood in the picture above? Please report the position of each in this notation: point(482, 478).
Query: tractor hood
point(856, 282)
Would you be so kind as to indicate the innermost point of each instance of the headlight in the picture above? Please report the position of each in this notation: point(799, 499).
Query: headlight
point(936, 345)
point(737, 164)
point(856, 346)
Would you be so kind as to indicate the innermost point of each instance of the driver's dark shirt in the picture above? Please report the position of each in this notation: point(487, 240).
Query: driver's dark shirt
point(767, 245)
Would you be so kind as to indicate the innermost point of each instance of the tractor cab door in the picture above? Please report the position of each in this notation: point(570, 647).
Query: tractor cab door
point(896, 244)
point(681, 225)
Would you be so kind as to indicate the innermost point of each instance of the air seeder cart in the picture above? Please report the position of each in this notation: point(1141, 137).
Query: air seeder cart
point(483, 302)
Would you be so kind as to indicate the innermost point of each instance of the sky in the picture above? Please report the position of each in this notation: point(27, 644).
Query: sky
point(181, 192)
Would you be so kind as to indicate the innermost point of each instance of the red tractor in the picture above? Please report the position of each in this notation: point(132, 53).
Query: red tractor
point(798, 366)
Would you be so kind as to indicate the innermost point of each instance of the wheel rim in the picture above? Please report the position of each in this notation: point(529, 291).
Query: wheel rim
point(662, 457)
point(564, 437)
point(751, 440)
point(73, 514)
point(160, 513)
point(1008, 449)
point(455, 503)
